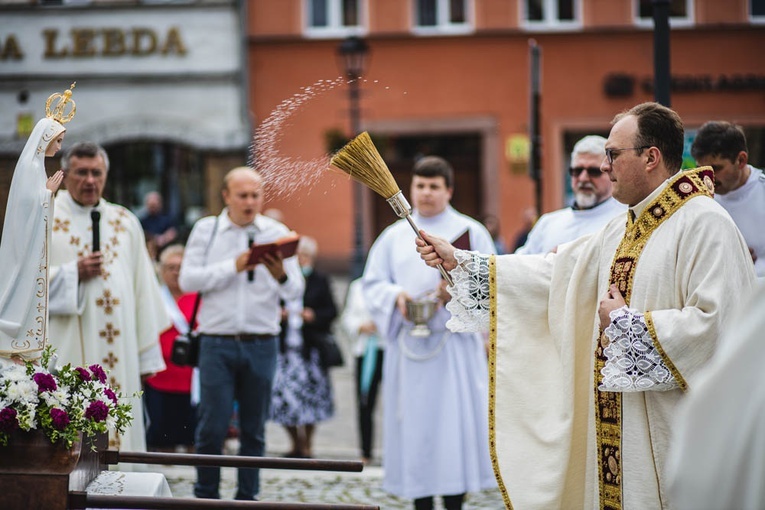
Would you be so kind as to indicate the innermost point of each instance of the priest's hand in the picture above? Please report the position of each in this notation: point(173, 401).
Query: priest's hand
point(612, 300)
point(442, 294)
point(436, 250)
point(89, 266)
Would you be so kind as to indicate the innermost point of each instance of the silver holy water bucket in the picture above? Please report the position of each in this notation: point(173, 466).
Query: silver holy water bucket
point(420, 312)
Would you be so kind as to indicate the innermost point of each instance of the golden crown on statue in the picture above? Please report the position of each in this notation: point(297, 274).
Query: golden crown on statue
point(59, 110)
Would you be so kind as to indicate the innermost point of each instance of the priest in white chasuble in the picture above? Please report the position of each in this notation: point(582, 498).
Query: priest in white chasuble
point(24, 249)
point(594, 347)
point(105, 304)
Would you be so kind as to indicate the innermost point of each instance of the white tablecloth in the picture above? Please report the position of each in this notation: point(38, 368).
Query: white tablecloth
point(119, 483)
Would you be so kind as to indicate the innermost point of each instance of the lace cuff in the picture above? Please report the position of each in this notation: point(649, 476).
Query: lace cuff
point(469, 305)
point(633, 362)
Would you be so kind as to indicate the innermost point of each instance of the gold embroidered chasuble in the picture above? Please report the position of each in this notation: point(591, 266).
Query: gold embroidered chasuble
point(558, 442)
point(115, 319)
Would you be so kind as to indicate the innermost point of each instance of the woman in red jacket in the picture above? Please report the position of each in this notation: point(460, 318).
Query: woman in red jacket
point(167, 395)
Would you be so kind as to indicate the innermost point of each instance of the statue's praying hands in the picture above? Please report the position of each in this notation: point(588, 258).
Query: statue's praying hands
point(54, 181)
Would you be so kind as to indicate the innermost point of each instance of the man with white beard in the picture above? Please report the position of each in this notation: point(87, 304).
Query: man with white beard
point(593, 205)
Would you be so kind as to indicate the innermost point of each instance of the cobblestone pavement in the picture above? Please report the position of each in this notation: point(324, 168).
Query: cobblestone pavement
point(312, 487)
point(335, 439)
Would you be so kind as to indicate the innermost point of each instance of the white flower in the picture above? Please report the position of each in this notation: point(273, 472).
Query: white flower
point(23, 391)
point(15, 373)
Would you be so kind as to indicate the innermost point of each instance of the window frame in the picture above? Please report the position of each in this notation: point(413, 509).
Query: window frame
point(755, 20)
point(550, 23)
point(443, 26)
point(334, 28)
point(674, 22)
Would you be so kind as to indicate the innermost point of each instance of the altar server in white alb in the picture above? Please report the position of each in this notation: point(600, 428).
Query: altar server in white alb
point(739, 187)
point(594, 347)
point(105, 305)
point(24, 250)
point(593, 204)
point(435, 388)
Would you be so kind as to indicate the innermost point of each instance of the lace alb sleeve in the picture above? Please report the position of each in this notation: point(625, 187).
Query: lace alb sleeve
point(469, 305)
point(633, 362)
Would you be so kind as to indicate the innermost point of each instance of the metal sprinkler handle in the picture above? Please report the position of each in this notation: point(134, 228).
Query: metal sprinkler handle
point(403, 210)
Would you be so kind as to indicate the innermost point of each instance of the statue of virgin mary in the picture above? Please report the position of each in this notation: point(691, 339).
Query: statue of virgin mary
point(26, 237)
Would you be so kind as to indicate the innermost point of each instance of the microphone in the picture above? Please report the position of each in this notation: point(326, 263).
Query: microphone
point(95, 217)
point(250, 241)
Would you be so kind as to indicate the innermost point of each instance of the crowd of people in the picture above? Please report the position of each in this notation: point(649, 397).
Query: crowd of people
point(571, 373)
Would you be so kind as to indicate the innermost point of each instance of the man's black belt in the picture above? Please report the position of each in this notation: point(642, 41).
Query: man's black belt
point(244, 337)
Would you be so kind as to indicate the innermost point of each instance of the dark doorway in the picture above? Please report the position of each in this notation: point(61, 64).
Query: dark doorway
point(400, 152)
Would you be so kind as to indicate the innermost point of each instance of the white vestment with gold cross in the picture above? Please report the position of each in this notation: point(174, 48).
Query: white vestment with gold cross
point(114, 320)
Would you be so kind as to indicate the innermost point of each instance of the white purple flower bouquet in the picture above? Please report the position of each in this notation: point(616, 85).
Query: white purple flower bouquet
point(62, 404)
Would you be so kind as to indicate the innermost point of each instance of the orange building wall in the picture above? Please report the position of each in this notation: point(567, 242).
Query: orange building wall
point(440, 79)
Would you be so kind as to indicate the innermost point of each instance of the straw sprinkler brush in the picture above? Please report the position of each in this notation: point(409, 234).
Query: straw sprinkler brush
point(361, 161)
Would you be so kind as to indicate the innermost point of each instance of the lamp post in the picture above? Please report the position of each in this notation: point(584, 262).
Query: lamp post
point(352, 54)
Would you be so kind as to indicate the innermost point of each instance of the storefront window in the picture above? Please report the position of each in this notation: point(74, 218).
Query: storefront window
point(175, 171)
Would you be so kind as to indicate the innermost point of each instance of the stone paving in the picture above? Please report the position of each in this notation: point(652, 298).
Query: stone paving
point(326, 488)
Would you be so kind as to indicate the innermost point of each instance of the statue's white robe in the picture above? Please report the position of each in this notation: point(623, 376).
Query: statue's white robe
point(114, 320)
point(24, 250)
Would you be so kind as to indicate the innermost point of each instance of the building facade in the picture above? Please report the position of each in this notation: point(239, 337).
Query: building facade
point(452, 78)
point(161, 85)
point(176, 89)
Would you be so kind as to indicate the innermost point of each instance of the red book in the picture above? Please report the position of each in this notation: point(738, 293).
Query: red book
point(286, 245)
point(462, 241)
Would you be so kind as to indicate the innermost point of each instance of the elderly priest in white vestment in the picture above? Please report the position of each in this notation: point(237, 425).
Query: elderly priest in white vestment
point(24, 249)
point(105, 305)
point(593, 347)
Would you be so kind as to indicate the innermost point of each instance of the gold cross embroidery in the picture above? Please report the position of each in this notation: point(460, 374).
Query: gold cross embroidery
point(117, 226)
point(110, 333)
point(74, 240)
point(107, 301)
point(114, 384)
point(111, 360)
point(60, 225)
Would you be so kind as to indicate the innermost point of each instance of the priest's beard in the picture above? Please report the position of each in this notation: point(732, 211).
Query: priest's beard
point(585, 200)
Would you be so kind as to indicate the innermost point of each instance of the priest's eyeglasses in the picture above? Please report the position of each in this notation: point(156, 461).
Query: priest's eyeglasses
point(610, 152)
point(592, 171)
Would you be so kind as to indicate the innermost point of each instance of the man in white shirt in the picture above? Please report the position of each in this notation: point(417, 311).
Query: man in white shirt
point(739, 187)
point(239, 323)
point(593, 204)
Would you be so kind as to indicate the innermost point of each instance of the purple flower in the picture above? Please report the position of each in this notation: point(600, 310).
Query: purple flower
point(8, 421)
point(45, 382)
point(60, 418)
point(96, 411)
point(84, 374)
point(98, 372)
point(109, 393)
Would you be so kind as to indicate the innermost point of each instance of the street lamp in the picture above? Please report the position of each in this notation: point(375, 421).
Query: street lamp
point(352, 54)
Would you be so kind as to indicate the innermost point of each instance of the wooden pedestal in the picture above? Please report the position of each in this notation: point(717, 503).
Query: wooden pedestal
point(37, 474)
